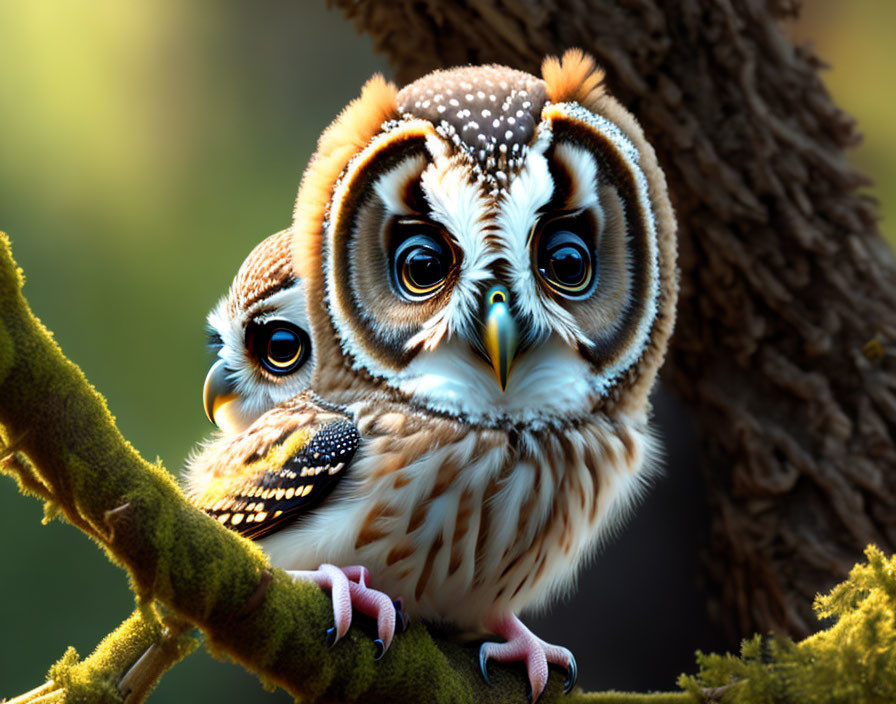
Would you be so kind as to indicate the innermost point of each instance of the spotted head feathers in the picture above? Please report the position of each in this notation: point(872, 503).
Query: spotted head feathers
point(487, 178)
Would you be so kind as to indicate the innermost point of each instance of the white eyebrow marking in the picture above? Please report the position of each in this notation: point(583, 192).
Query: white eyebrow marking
point(391, 185)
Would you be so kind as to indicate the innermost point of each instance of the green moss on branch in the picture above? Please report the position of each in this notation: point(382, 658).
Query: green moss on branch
point(62, 445)
point(204, 574)
point(127, 664)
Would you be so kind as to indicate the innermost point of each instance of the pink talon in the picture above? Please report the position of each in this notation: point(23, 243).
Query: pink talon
point(348, 587)
point(523, 645)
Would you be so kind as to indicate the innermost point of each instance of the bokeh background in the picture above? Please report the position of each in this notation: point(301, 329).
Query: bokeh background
point(145, 147)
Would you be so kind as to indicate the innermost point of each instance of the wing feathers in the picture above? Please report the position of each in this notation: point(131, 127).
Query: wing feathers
point(276, 470)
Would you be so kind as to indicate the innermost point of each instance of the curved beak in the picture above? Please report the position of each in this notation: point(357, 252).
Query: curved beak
point(500, 334)
point(217, 391)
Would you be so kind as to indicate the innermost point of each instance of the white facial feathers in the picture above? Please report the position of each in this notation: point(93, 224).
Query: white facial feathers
point(257, 392)
point(582, 166)
point(518, 214)
point(548, 385)
point(580, 182)
point(460, 206)
point(390, 187)
point(651, 259)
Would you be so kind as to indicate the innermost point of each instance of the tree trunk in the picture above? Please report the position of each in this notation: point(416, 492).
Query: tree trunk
point(785, 346)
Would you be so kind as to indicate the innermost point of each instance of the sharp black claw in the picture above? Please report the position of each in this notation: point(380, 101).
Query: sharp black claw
point(483, 665)
point(380, 649)
point(401, 618)
point(331, 636)
point(529, 693)
point(572, 674)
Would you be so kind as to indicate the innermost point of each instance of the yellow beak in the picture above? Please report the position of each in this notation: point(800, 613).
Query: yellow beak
point(217, 391)
point(500, 334)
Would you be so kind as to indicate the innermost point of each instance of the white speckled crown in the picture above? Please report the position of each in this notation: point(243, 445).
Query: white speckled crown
point(489, 112)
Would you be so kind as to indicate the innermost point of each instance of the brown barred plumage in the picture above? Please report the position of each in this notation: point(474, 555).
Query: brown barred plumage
point(490, 303)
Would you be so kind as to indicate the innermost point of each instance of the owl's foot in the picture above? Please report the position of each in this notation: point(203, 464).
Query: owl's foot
point(349, 590)
point(523, 645)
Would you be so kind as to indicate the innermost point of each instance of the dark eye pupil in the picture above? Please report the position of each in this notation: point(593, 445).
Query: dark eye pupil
point(278, 346)
point(568, 265)
point(564, 261)
point(283, 345)
point(424, 268)
point(421, 265)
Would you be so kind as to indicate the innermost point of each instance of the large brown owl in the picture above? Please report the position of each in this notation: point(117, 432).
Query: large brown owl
point(489, 261)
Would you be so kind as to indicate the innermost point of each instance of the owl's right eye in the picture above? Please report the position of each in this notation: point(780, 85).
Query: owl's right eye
point(421, 265)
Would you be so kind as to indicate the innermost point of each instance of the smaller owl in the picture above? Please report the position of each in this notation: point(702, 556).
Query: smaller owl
point(272, 430)
point(259, 332)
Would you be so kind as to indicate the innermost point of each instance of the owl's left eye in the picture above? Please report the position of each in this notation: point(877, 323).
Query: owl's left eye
point(564, 259)
point(279, 346)
point(421, 265)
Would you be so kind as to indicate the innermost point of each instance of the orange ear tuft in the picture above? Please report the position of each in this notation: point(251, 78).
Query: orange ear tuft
point(347, 135)
point(574, 77)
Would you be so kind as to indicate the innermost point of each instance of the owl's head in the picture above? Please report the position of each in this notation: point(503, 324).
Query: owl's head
point(490, 245)
point(260, 335)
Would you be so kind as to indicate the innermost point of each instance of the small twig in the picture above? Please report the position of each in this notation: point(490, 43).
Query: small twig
point(12, 447)
point(155, 661)
point(715, 694)
point(17, 463)
point(254, 601)
point(57, 695)
point(31, 480)
point(35, 695)
point(114, 518)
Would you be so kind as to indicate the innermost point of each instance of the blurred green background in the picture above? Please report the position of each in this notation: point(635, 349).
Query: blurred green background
point(145, 147)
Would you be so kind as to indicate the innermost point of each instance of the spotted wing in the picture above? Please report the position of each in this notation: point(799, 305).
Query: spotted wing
point(279, 468)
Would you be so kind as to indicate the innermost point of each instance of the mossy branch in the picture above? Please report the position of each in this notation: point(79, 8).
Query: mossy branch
point(63, 446)
point(124, 667)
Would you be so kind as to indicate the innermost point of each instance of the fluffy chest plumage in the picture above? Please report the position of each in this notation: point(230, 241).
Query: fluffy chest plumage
point(465, 523)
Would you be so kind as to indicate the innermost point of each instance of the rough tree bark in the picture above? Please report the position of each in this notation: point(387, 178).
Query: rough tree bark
point(785, 346)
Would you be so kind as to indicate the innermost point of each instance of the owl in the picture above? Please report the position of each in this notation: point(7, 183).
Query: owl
point(489, 263)
point(259, 333)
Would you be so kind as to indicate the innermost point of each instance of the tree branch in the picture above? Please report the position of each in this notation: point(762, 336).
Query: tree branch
point(70, 454)
point(123, 668)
